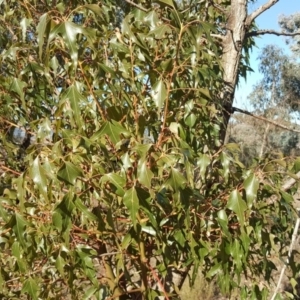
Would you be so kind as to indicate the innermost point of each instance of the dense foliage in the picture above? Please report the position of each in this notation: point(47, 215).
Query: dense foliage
point(113, 179)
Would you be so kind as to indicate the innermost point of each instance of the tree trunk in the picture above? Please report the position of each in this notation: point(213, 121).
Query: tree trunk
point(236, 29)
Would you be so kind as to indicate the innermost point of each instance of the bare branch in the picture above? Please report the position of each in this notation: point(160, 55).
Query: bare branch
point(235, 109)
point(218, 36)
point(293, 241)
point(260, 10)
point(137, 5)
point(143, 8)
point(269, 31)
point(290, 182)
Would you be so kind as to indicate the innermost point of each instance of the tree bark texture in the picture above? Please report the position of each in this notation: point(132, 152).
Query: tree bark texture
point(236, 29)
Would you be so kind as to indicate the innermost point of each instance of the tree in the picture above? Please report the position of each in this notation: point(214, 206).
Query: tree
point(272, 98)
point(121, 185)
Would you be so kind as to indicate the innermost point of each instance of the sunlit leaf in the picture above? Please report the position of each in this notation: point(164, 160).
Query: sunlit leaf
point(168, 2)
point(19, 229)
point(176, 180)
point(117, 180)
point(113, 129)
point(131, 201)
point(41, 30)
point(145, 175)
point(39, 177)
point(238, 205)
point(84, 210)
point(18, 87)
point(251, 185)
point(60, 264)
point(76, 101)
point(159, 93)
point(31, 287)
point(69, 173)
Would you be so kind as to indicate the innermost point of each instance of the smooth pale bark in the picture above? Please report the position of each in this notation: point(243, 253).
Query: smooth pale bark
point(237, 30)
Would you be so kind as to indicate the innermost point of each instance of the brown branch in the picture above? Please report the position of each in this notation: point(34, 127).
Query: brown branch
point(143, 8)
point(290, 182)
point(235, 109)
point(269, 31)
point(137, 6)
point(260, 10)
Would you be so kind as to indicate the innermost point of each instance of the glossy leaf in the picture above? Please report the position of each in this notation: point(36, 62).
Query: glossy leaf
point(18, 86)
point(113, 129)
point(251, 185)
point(31, 288)
point(39, 177)
point(131, 201)
point(145, 175)
point(69, 173)
point(41, 30)
point(237, 205)
point(159, 93)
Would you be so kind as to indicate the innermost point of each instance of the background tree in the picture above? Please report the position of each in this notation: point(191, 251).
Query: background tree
point(90, 207)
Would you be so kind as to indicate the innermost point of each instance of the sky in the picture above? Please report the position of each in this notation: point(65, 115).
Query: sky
point(267, 20)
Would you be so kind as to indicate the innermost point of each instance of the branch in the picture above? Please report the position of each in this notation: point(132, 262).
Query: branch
point(290, 182)
point(137, 6)
point(260, 10)
point(143, 9)
point(235, 109)
point(294, 236)
point(269, 31)
point(218, 36)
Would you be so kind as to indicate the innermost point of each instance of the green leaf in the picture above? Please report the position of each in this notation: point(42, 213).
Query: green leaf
point(76, 100)
point(223, 221)
point(113, 129)
point(94, 8)
point(179, 237)
point(38, 177)
point(118, 181)
point(69, 31)
point(159, 93)
point(17, 86)
point(168, 2)
point(176, 180)
point(69, 173)
point(59, 264)
point(41, 29)
point(160, 32)
point(237, 205)
point(131, 201)
point(57, 220)
point(296, 166)
point(144, 174)
point(251, 185)
point(31, 287)
point(203, 162)
point(84, 210)
point(24, 23)
point(19, 229)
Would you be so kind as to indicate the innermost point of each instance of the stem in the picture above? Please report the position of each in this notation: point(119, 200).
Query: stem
point(264, 141)
point(92, 92)
point(110, 277)
point(295, 233)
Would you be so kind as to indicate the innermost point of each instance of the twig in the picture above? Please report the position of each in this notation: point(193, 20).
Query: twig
point(260, 10)
point(143, 9)
point(160, 284)
point(269, 31)
point(235, 109)
point(290, 182)
point(295, 233)
point(137, 6)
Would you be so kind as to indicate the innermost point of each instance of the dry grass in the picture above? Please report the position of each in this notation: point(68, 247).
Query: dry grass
point(201, 290)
